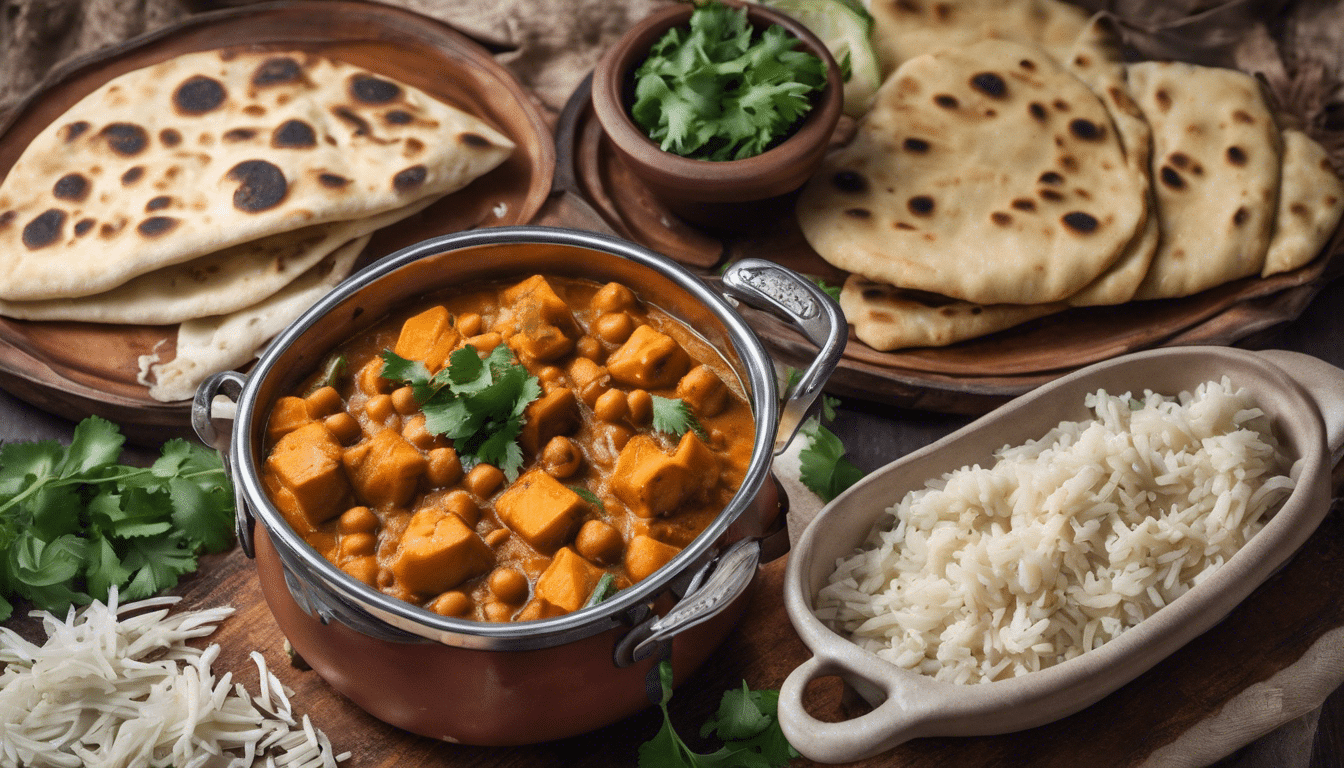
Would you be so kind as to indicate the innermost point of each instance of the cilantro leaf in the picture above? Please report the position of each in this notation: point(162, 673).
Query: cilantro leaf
point(746, 722)
point(673, 416)
point(74, 522)
point(476, 402)
point(715, 90)
point(823, 467)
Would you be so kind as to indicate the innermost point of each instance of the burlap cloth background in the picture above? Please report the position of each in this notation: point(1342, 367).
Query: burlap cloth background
point(1297, 48)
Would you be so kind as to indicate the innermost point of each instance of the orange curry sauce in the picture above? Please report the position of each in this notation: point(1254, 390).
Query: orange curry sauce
point(354, 471)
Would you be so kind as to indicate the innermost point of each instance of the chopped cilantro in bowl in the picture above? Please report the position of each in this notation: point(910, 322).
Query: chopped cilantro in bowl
point(718, 89)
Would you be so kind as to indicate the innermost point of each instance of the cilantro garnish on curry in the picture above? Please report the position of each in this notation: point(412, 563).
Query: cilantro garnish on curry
point(717, 90)
point(511, 451)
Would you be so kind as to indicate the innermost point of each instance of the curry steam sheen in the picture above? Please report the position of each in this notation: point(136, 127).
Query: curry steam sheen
point(353, 469)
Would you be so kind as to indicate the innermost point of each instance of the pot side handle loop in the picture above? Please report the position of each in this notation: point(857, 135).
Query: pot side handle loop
point(871, 733)
point(786, 294)
point(1325, 384)
point(732, 572)
point(207, 421)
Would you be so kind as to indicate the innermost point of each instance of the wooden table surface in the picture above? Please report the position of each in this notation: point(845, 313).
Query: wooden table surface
point(1119, 731)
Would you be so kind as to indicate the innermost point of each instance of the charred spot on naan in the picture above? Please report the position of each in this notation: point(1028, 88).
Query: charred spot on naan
point(261, 185)
point(199, 95)
point(45, 229)
point(72, 187)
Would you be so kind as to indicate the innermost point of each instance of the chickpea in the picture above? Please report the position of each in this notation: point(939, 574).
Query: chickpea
point(356, 544)
point(452, 603)
point(443, 468)
point(403, 399)
point(385, 580)
point(364, 569)
point(413, 429)
point(379, 407)
point(614, 328)
point(613, 297)
point(344, 426)
point(461, 503)
point(497, 537)
point(550, 374)
point(497, 611)
point(484, 479)
point(640, 403)
point(485, 343)
point(588, 347)
point(324, 402)
point(614, 437)
point(469, 324)
point(560, 457)
point(508, 585)
point(612, 406)
point(599, 542)
point(358, 520)
point(590, 379)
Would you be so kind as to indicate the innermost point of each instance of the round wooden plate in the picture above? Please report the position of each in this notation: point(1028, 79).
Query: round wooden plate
point(77, 369)
point(973, 376)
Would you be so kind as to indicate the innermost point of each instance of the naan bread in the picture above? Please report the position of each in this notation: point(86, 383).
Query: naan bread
point(1311, 198)
point(202, 152)
point(1216, 168)
point(1097, 60)
point(208, 345)
point(904, 29)
point(987, 173)
point(216, 284)
point(887, 318)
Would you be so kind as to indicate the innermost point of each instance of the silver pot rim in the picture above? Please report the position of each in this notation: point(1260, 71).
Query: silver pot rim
point(628, 606)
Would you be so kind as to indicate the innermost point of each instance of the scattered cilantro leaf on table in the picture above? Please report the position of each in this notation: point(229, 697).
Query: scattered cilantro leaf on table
point(74, 522)
point(823, 467)
point(476, 402)
point(746, 722)
point(716, 91)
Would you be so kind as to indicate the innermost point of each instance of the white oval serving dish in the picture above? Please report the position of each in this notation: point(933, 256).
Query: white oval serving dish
point(1302, 395)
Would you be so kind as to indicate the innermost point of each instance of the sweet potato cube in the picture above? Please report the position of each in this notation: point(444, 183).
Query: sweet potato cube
point(384, 469)
point(428, 337)
point(307, 463)
point(556, 413)
point(289, 414)
point(645, 555)
point(536, 323)
point(567, 582)
point(703, 391)
point(437, 552)
point(652, 483)
point(541, 510)
point(649, 359)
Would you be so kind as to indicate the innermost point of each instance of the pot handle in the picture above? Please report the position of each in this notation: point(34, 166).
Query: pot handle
point(790, 296)
point(215, 429)
point(711, 590)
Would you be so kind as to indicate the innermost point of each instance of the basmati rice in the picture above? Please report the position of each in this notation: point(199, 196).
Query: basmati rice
point(1064, 542)
point(122, 688)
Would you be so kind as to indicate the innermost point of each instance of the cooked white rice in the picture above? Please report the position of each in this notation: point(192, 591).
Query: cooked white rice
point(123, 688)
point(1066, 541)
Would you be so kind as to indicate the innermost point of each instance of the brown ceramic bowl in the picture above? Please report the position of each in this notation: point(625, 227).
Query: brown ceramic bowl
point(715, 194)
point(527, 681)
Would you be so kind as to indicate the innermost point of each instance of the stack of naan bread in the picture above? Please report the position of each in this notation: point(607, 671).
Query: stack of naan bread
point(223, 191)
point(1013, 165)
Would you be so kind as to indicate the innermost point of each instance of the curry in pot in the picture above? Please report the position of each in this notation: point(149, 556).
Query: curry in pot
point(511, 451)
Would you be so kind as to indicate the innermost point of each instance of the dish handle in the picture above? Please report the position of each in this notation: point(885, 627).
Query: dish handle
point(1324, 383)
point(899, 717)
point(790, 296)
point(212, 418)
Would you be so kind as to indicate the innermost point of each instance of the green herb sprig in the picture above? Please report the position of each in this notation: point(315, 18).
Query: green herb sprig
point(716, 91)
point(476, 402)
point(673, 416)
point(823, 467)
point(74, 523)
point(746, 722)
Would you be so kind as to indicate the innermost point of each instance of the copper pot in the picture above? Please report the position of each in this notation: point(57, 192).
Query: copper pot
point(522, 682)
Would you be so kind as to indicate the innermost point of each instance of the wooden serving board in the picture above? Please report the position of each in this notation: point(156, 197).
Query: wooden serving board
point(1267, 633)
